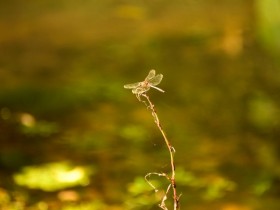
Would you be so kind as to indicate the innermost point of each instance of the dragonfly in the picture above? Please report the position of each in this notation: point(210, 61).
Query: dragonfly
point(151, 81)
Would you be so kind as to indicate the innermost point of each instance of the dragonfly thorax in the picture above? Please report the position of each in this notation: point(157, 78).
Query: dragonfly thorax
point(141, 89)
point(145, 84)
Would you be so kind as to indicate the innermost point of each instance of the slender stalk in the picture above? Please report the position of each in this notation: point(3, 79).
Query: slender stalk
point(171, 151)
point(140, 89)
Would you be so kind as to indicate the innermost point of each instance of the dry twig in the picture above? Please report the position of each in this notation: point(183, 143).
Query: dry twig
point(140, 90)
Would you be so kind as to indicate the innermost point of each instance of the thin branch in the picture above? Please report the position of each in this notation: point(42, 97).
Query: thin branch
point(140, 89)
point(171, 154)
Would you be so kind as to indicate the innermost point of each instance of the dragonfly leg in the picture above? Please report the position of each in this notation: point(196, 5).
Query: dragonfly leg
point(138, 96)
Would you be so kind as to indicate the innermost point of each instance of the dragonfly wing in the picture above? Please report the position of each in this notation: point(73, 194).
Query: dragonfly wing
point(151, 74)
point(155, 80)
point(133, 85)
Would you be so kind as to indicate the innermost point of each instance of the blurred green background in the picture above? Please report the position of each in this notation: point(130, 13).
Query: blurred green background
point(73, 138)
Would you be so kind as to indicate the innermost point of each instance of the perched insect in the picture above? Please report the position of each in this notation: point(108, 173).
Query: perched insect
point(150, 81)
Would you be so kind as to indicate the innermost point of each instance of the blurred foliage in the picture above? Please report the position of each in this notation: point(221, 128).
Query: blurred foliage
point(71, 136)
point(53, 176)
point(86, 206)
point(269, 23)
